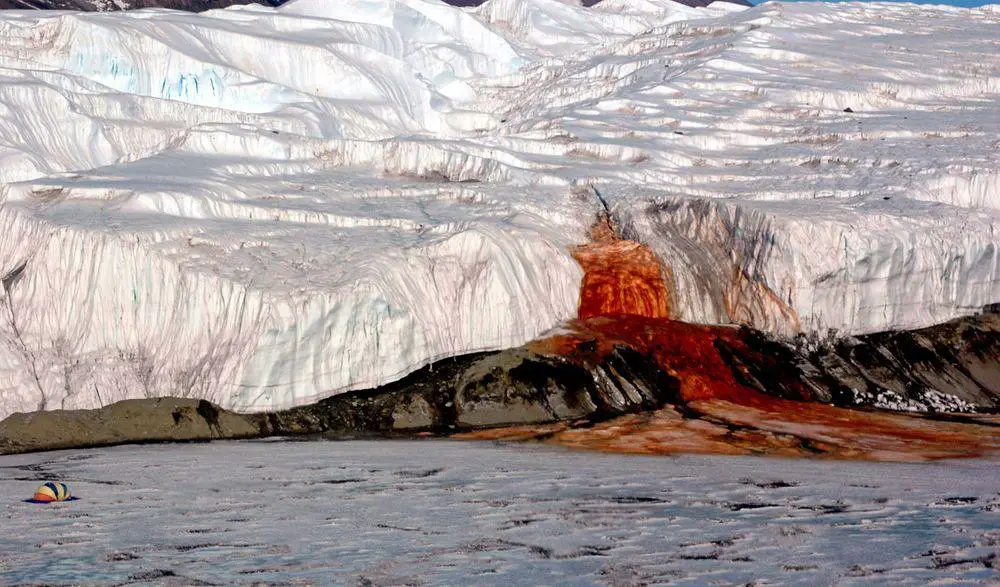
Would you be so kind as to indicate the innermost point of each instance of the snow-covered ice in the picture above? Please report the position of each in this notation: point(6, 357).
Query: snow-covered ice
point(441, 512)
point(265, 207)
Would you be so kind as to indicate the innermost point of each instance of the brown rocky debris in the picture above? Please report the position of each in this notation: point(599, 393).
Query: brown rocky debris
point(153, 420)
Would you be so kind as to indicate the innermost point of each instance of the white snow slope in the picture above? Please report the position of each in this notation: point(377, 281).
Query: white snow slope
point(265, 207)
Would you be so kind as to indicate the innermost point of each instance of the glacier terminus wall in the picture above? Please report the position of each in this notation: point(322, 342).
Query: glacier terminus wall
point(264, 207)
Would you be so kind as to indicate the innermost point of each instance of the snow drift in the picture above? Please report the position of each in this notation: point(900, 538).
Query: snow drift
point(263, 207)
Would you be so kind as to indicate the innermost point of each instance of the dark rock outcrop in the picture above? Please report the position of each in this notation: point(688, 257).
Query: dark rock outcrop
point(488, 389)
point(516, 386)
point(611, 367)
point(951, 367)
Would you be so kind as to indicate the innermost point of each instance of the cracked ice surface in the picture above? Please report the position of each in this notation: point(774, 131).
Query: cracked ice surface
point(440, 512)
point(264, 207)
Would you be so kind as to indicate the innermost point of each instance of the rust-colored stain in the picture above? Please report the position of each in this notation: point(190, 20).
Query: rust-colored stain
point(745, 299)
point(714, 413)
point(620, 277)
point(625, 302)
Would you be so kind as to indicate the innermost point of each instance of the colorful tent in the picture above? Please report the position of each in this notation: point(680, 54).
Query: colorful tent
point(51, 491)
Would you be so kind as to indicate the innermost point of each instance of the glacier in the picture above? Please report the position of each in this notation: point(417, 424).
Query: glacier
point(264, 207)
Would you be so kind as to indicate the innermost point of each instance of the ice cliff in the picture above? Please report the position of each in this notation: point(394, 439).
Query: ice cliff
point(264, 207)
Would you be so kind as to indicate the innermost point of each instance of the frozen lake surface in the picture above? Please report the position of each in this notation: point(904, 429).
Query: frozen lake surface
point(444, 512)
